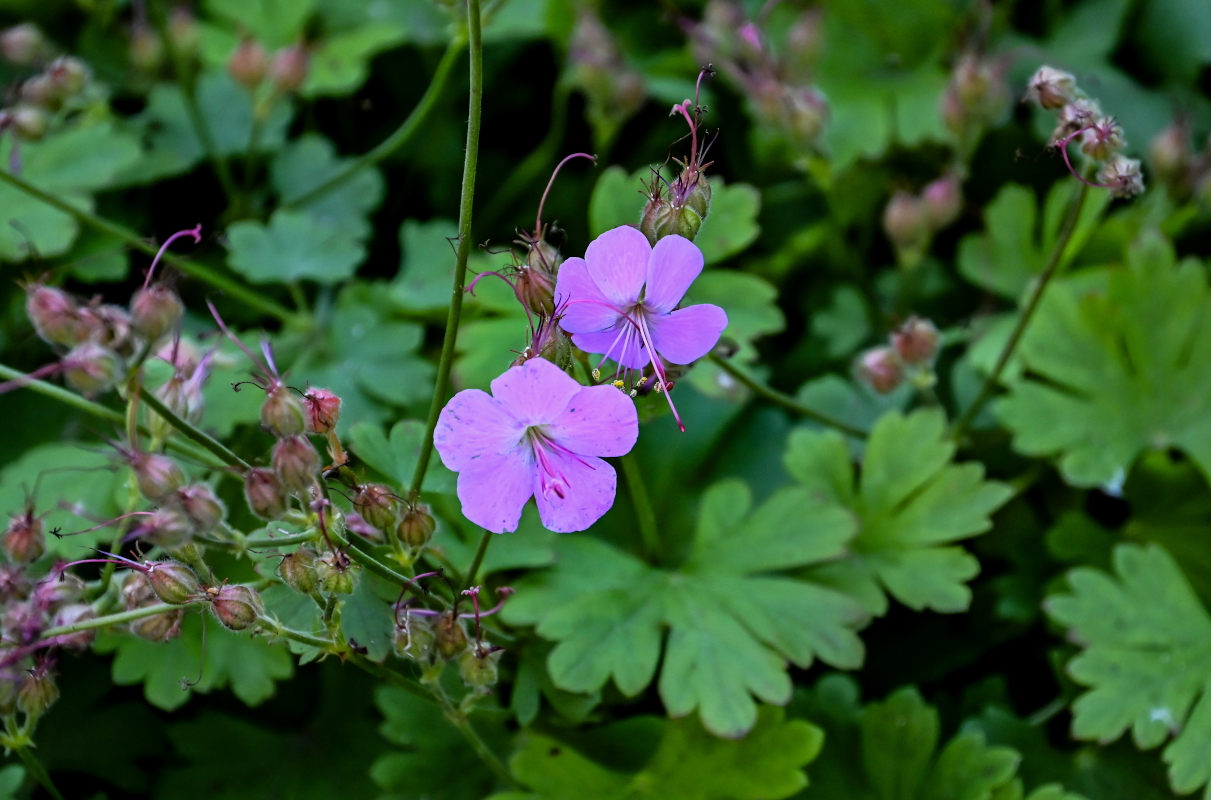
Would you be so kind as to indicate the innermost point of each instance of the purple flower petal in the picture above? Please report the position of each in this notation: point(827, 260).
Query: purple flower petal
point(590, 484)
point(622, 345)
point(473, 427)
point(675, 263)
point(687, 334)
point(494, 490)
point(618, 264)
point(587, 308)
point(600, 420)
point(534, 392)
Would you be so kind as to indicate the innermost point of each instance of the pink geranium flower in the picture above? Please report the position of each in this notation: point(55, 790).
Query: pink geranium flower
point(621, 301)
point(539, 434)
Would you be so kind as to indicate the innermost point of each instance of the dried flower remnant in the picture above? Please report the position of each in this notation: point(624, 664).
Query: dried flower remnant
point(539, 434)
point(622, 302)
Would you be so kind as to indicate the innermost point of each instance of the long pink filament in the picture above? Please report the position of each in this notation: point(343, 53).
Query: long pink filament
point(195, 232)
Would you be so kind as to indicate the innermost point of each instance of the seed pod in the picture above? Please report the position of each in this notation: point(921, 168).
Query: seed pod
point(155, 312)
point(416, 526)
point(90, 368)
point(137, 591)
point(166, 526)
point(264, 492)
point(282, 413)
point(238, 607)
point(159, 627)
point(334, 573)
point(297, 570)
point(451, 635)
point(296, 463)
point(173, 582)
point(378, 505)
point(23, 541)
point(157, 475)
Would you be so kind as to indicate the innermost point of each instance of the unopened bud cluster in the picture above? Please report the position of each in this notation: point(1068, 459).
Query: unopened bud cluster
point(57, 85)
point(1100, 138)
point(911, 220)
point(284, 71)
point(909, 354)
point(613, 88)
point(976, 95)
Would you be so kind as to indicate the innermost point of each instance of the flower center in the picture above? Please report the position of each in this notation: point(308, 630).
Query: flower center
point(551, 479)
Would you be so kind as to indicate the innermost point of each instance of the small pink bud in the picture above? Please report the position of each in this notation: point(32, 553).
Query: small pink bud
point(1169, 152)
point(155, 312)
point(146, 49)
point(107, 325)
point(264, 492)
point(57, 589)
point(1080, 113)
point(24, 541)
point(249, 64)
point(30, 122)
point(238, 607)
point(289, 67)
point(14, 583)
point(69, 615)
point(157, 475)
point(536, 288)
point(23, 45)
point(201, 507)
point(297, 570)
point(54, 314)
point(165, 526)
point(322, 409)
point(881, 369)
point(282, 413)
point(916, 341)
point(904, 221)
point(1051, 88)
point(416, 526)
point(68, 76)
point(40, 91)
point(173, 582)
point(378, 505)
point(941, 201)
point(91, 369)
point(296, 463)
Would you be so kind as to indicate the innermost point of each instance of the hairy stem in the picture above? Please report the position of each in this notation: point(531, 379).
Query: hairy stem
point(786, 401)
point(478, 560)
point(253, 299)
point(1067, 228)
point(645, 516)
point(191, 432)
point(399, 137)
point(470, 163)
point(109, 619)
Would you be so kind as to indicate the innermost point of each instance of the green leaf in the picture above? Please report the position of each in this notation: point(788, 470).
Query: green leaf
point(910, 501)
point(617, 199)
point(734, 621)
point(246, 664)
point(1118, 370)
point(273, 22)
point(752, 312)
point(843, 323)
point(767, 764)
point(368, 619)
point(395, 454)
point(427, 262)
point(1146, 659)
point(307, 162)
point(11, 778)
point(295, 245)
point(341, 62)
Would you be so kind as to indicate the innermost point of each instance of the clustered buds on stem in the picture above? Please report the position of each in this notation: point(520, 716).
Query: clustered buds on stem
point(911, 351)
point(911, 220)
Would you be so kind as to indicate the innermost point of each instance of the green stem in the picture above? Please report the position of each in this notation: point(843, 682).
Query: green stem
point(459, 720)
point(109, 619)
point(478, 560)
point(252, 299)
point(253, 543)
point(358, 550)
point(645, 516)
point(786, 401)
point(1067, 228)
point(470, 164)
point(190, 432)
point(39, 773)
point(399, 137)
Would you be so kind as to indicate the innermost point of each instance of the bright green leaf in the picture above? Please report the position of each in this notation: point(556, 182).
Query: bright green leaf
point(307, 162)
point(339, 65)
point(427, 263)
point(276, 23)
point(295, 245)
point(395, 454)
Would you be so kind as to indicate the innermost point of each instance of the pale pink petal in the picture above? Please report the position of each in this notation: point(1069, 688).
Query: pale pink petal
point(472, 427)
point(585, 307)
point(599, 421)
point(687, 334)
point(534, 392)
point(494, 490)
point(618, 264)
point(588, 486)
point(675, 263)
point(621, 345)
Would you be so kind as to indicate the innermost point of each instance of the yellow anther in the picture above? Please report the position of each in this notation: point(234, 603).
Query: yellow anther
point(596, 374)
point(618, 384)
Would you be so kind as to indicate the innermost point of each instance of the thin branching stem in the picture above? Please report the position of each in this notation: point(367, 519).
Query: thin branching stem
point(192, 432)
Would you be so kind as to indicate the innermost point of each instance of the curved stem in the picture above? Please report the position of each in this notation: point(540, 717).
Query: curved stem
point(1053, 261)
point(478, 560)
point(470, 164)
point(186, 428)
point(357, 550)
point(645, 516)
point(253, 299)
point(109, 619)
point(37, 771)
point(786, 401)
point(398, 138)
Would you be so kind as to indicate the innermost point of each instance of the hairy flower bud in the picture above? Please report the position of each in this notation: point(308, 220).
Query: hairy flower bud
point(881, 369)
point(264, 492)
point(904, 221)
point(416, 526)
point(681, 212)
point(282, 413)
point(335, 573)
point(23, 540)
point(237, 606)
point(378, 505)
point(174, 582)
point(57, 589)
point(941, 201)
point(69, 615)
point(322, 409)
point(137, 591)
point(157, 475)
point(249, 63)
point(1051, 88)
point(916, 341)
point(23, 45)
point(1122, 176)
point(155, 312)
point(30, 122)
point(165, 526)
point(296, 463)
point(38, 692)
point(297, 570)
point(201, 507)
point(536, 288)
point(477, 667)
point(54, 314)
point(91, 369)
point(414, 638)
point(107, 325)
point(68, 76)
point(288, 69)
point(451, 635)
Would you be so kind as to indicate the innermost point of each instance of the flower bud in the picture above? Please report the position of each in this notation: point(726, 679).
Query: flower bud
point(201, 507)
point(282, 413)
point(30, 122)
point(54, 314)
point(941, 201)
point(904, 221)
point(38, 692)
point(414, 638)
point(22, 623)
point(450, 634)
point(1080, 113)
point(137, 591)
point(288, 69)
point(297, 570)
point(334, 573)
point(23, 540)
point(296, 463)
point(68, 76)
point(173, 582)
point(69, 615)
point(90, 368)
point(157, 475)
point(160, 627)
point(264, 492)
point(146, 49)
point(40, 91)
point(881, 369)
point(322, 409)
point(165, 526)
point(1122, 176)
point(23, 45)
point(1169, 152)
point(536, 288)
point(378, 505)
point(155, 312)
point(682, 212)
point(477, 667)
point(57, 589)
point(107, 325)
point(416, 526)
point(916, 341)
point(238, 607)
point(249, 63)
point(806, 112)
point(1051, 88)
point(14, 583)
point(1102, 139)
